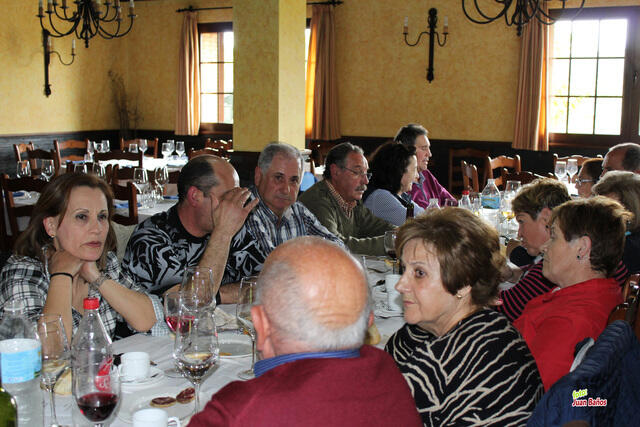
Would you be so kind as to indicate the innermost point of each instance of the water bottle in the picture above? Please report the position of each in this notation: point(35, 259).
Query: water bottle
point(21, 363)
point(465, 202)
point(490, 200)
point(433, 205)
point(8, 407)
point(91, 345)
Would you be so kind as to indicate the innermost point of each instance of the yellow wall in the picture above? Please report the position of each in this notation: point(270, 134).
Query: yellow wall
point(381, 84)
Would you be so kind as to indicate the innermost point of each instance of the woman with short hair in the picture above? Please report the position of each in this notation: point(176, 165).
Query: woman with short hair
point(394, 170)
point(66, 255)
point(465, 363)
point(588, 176)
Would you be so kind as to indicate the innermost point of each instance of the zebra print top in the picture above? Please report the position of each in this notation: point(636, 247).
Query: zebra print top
point(479, 373)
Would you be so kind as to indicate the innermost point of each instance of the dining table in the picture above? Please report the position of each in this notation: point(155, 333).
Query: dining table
point(235, 350)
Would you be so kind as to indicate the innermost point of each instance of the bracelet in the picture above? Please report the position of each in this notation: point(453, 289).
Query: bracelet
point(99, 281)
point(70, 276)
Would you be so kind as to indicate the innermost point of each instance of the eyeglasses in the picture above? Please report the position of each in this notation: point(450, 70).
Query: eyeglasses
point(582, 181)
point(358, 173)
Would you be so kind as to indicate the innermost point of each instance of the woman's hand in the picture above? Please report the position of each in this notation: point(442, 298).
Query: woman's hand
point(63, 262)
point(89, 271)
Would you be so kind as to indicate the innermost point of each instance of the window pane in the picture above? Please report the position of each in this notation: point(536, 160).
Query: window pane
point(583, 77)
point(558, 115)
point(561, 38)
point(209, 77)
point(228, 109)
point(608, 116)
point(227, 42)
point(208, 47)
point(209, 108)
point(584, 41)
point(580, 115)
point(560, 77)
point(228, 77)
point(613, 37)
point(610, 77)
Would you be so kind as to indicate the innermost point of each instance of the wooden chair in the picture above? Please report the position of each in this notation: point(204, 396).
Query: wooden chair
point(525, 177)
point(469, 177)
point(222, 147)
point(9, 185)
point(195, 153)
point(21, 149)
point(119, 155)
point(471, 156)
point(499, 163)
point(152, 146)
point(579, 160)
point(129, 193)
point(629, 310)
point(69, 150)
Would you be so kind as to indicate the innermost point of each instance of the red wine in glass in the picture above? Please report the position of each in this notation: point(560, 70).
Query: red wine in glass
point(98, 406)
point(172, 323)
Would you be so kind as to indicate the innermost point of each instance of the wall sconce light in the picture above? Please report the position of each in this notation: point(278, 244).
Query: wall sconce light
point(433, 34)
point(47, 44)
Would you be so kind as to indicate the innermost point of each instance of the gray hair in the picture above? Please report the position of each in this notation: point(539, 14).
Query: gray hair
point(625, 186)
point(281, 291)
point(338, 156)
point(631, 160)
point(278, 148)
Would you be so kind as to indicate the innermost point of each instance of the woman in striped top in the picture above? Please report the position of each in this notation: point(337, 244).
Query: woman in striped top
point(465, 363)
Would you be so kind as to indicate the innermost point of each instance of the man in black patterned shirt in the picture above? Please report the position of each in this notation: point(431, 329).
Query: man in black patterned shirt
point(196, 231)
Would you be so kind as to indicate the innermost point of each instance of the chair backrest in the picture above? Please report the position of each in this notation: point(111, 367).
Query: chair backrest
point(152, 145)
point(629, 309)
point(579, 159)
point(525, 177)
point(120, 175)
point(70, 149)
point(39, 154)
point(20, 149)
point(15, 211)
point(118, 155)
point(471, 156)
point(469, 177)
point(195, 153)
point(128, 193)
point(499, 163)
point(222, 147)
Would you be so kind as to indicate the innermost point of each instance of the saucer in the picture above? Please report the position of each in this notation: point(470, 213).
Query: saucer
point(233, 344)
point(155, 376)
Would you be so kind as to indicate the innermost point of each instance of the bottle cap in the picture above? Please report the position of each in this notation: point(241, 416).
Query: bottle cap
point(91, 303)
point(465, 192)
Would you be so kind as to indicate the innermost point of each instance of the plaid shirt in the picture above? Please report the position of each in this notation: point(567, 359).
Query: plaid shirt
point(27, 279)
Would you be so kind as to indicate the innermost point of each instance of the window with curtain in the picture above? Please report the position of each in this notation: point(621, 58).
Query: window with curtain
point(216, 73)
point(593, 88)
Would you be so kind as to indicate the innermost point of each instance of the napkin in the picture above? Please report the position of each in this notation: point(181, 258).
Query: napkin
point(170, 197)
point(18, 193)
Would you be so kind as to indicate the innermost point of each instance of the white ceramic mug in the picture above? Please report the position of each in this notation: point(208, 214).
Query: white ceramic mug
point(154, 417)
point(134, 366)
point(394, 298)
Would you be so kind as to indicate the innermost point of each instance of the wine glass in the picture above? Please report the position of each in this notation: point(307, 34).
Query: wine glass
point(166, 150)
point(91, 147)
point(195, 349)
point(23, 170)
point(140, 180)
point(55, 355)
point(197, 283)
point(133, 147)
point(171, 305)
point(96, 390)
point(47, 170)
point(390, 247)
point(450, 202)
point(572, 168)
point(561, 170)
point(98, 170)
point(180, 148)
point(104, 146)
point(246, 299)
point(162, 177)
point(172, 146)
point(142, 145)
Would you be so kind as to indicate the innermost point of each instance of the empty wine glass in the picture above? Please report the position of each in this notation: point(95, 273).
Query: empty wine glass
point(246, 300)
point(172, 145)
point(198, 281)
point(23, 170)
point(180, 148)
point(55, 355)
point(390, 247)
point(195, 349)
point(572, 168)
point(161, 177)
point(561, 169)
point(166, 150)
point(96, 390)
point(47, 170)
point(142, 145)
point(98, 169)
point(104, 146)
point(133, 147)
point(91, 147)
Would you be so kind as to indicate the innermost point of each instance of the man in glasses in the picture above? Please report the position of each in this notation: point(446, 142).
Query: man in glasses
point(336, 201)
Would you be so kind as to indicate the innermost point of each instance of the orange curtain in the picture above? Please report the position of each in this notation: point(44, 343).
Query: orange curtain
point(532, 106)
point(188, 109)
point(321, 105)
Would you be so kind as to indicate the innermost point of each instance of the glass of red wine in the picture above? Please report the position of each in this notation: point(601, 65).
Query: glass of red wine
point(96, 390)
point(171, 311)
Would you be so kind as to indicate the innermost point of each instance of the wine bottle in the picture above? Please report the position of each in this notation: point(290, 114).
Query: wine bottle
point(8, 407)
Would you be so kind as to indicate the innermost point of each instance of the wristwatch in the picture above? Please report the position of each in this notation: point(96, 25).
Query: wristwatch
point(99, 281)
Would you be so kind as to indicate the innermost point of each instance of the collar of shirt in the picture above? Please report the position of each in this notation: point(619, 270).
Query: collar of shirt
point(346, 207)
point(264, 210)
point(265, 365)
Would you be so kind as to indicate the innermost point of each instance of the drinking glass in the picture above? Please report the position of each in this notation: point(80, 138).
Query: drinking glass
point(91, 147)
point(561, 170)
point(142, 145)
point(512, 187)
point(96, 390)
point(162, 177)
point(572, 168)
point(140, 179)
point(98, 169)
point(133, 148)
point(88, 158)
point(171, 311)
point(450, 202)
point(390, 247)
point(166, 150)
point(197, 283)
point(195, 349)
point(47, 170)
point(23, 170)
point(172, 145)
point(105, 146)
point(246, 299)
point(180, 148)
point(55, 355)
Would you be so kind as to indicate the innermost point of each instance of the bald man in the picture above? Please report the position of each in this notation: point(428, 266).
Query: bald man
point(197, 231)
point(622, 157)
point(311, 321)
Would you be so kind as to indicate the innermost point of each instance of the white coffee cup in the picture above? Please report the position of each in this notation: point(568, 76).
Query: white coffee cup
point(154, 417)
point(134, 366)
point(394, 298)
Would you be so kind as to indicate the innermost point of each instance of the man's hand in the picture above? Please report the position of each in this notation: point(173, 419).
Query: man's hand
point(231, 212)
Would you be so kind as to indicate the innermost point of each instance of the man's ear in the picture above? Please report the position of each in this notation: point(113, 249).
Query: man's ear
point(257, 176)
point(264, 342)
point(194, 196)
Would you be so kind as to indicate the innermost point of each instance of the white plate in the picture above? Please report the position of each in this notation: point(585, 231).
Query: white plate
point(142, 400)
point(155, 376)
point(233, 344)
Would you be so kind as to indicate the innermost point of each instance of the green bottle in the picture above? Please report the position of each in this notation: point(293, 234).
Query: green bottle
point(8, 408)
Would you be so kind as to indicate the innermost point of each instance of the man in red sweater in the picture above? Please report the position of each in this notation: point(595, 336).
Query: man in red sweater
point(313, 313)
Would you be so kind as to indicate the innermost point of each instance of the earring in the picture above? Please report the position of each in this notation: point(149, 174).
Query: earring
point(459, 296)
point(578, 256)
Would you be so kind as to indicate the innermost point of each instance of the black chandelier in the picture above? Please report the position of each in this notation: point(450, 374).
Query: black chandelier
point(515, 12)
point(87, 20)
